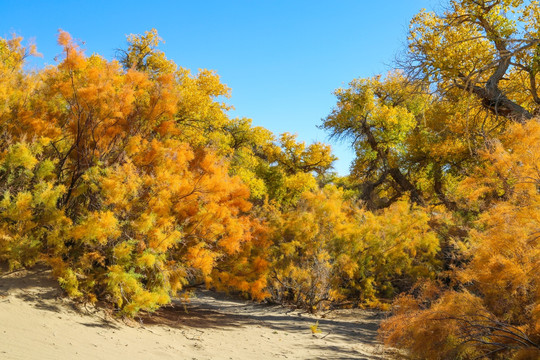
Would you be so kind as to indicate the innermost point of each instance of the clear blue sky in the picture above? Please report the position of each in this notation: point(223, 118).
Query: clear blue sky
point(282, 59)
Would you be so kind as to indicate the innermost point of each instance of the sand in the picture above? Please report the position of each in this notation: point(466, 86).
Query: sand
point(37, 322)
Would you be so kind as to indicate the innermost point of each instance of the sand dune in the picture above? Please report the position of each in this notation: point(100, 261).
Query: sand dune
point(36, 322)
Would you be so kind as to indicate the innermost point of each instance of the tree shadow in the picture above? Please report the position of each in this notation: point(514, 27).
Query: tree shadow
point(103, 324)
point(36, 287)
point(211, 310)
point(38, 280)
point(217, 311)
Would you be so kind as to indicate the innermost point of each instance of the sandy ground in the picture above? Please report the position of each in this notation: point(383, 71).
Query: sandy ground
point(36, 322)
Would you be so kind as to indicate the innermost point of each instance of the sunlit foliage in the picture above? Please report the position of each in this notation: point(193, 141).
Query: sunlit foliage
point(455, 131)
point(328, 250)
point(99, 181)
point(494, 310)
point(131, 182)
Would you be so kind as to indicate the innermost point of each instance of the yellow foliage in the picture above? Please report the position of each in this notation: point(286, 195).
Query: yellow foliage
point(146, 260)
point(105, 178)
point(500, 295)
point(98, 226)
point(315, 328)
point(20, 155)
point(329, 248)
point(201, 259)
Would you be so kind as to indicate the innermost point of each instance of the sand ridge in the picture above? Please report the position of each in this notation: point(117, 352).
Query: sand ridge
point(37, 322)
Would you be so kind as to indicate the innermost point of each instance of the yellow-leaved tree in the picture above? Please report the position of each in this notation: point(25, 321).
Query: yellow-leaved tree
point(100, 180)
point(493, 310)
point(328, 250)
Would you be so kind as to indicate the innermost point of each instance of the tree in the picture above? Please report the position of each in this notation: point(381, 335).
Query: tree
point(143, 54)
point(493, 310)
point(98, 181)
point(328, 250)
point(378, 116)
point(488, 48)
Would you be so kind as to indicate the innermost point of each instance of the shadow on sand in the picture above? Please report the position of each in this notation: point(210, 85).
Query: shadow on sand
point(209, 310)
point(38, 288)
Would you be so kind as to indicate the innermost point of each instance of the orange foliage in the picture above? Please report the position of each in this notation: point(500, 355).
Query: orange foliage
point(110, 192)
point(496, 312)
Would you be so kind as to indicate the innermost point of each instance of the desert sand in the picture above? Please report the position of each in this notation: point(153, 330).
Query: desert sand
point(37, 322)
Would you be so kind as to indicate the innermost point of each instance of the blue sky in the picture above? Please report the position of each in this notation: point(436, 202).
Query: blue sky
point(282, 59)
